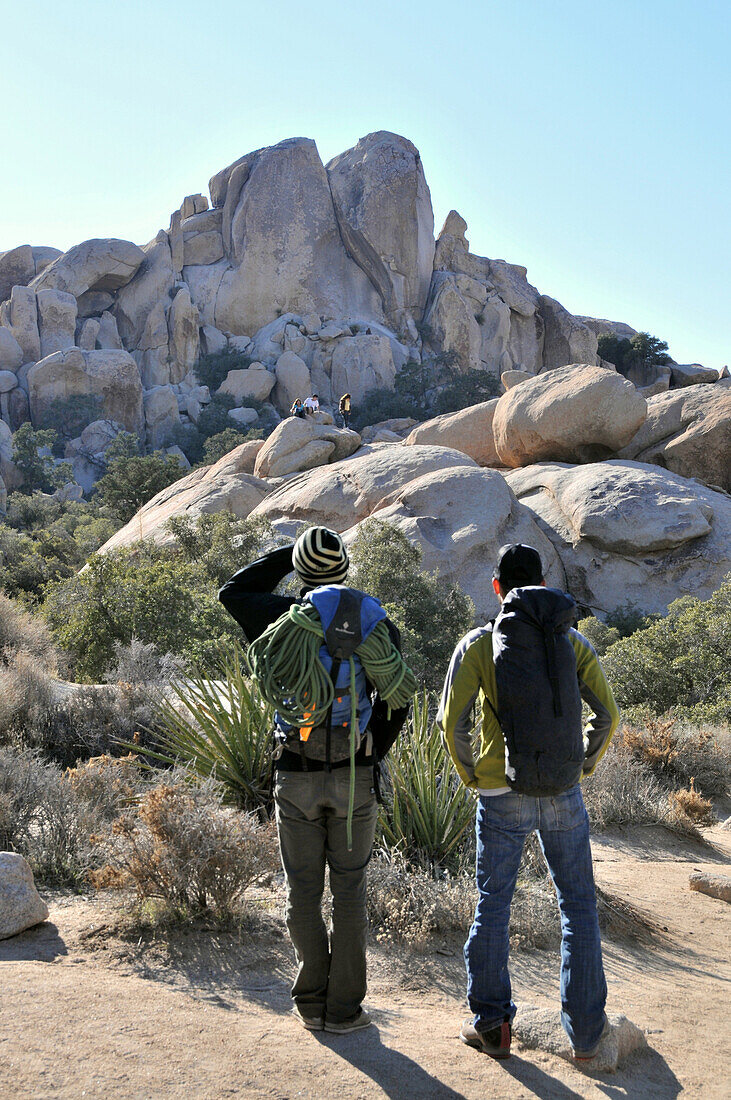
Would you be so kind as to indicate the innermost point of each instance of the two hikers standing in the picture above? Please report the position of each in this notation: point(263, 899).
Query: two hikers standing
point(530, 671)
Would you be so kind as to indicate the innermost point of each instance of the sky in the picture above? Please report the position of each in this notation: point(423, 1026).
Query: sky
point(589, 142)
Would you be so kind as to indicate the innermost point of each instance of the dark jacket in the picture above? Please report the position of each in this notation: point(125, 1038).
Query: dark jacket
point(250, 599)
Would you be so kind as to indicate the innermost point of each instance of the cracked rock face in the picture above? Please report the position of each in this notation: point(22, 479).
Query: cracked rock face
point(20, 904)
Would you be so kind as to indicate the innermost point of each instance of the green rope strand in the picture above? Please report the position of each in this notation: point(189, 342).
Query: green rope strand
point(285, 663)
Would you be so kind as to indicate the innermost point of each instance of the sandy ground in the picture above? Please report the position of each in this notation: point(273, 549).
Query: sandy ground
point(85, 1012)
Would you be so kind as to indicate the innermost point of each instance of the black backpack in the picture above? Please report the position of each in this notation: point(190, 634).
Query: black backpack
point(539, 703)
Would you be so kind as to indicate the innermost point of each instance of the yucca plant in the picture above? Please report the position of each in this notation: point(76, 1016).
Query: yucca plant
point(428, 811)
point(218, 725)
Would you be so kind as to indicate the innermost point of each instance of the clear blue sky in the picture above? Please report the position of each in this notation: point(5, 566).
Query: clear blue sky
point(589, 142)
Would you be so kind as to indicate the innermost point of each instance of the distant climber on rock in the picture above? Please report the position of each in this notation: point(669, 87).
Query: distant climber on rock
point(530, 670)
point(344, 409)
point(330, 663)
point(298, 408)
point(311, 404)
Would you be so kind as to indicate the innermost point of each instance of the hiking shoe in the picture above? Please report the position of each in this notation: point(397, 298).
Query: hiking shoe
point(495, 1042)
point(353, 1023)
point(312, 1023)
point(587, 1055)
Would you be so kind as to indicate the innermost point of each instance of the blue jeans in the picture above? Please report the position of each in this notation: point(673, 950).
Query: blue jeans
point(503, 822)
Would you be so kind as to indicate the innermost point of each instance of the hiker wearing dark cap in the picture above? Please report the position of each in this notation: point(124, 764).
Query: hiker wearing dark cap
point(330, 662)
point(530, 669)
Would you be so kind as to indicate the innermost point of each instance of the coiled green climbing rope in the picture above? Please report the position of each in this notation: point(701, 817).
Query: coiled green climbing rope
point(285, 663)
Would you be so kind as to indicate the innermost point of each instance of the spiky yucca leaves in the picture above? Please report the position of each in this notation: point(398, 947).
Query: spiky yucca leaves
point(428, 811)
point(218, 724)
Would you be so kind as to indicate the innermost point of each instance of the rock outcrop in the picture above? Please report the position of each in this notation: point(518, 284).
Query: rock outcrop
point(469, 431)
point(576, 413)
point(688, 431)
point(109, 376)
point(93, 265)
point(298, 444)
point(20, 904)
point(627, 531)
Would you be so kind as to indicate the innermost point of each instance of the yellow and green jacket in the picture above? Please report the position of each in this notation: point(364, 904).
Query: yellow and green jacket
point(471, 678)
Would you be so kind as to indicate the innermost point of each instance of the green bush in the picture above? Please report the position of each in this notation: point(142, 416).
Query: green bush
point(216, 446)
point(431, 615)
point(131, 480)
point(162, 595)
point(598, 633)
point(680, 661)
point(641, 351)
point(34, 460)
point(68, 416)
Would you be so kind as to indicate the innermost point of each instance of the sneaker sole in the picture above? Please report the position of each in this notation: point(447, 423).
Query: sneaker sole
point(309, 1025)
point(333, 1029)
point(499, 1056)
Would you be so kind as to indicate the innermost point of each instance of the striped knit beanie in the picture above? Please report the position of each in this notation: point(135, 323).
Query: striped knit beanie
point(319, 557)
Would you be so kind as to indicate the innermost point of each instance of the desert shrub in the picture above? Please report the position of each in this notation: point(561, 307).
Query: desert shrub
point(131, 480)
point(642, 350)
point(216, 724)
point(141, 663)
point(427, 810)
point(107, 784)
point(680, 755)
point(431, 614)
point(381, 404)
point(211, 370)
point(465, 389)
point(68, 416)
point(690, 804)
point(408, 905)
point(216, 446)
point(598, 633)
point(22, 631)
point(34, 460)
point(180, 844)
point(680, 661)
point(222, 542)
point(621, 793)
point(44, 819)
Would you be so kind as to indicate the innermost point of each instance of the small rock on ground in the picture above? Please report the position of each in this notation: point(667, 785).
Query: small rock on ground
point(716, 886)
point(540, 1029)
point(20, 905)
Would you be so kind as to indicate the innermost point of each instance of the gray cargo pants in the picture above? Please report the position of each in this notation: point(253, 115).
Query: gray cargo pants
point(312, 809)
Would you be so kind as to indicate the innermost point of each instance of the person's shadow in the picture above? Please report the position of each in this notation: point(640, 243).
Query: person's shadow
point(392, 1071)
point(42, 943)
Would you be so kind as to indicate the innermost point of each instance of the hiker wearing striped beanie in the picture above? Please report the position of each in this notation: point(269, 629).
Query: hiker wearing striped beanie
point(330, 663)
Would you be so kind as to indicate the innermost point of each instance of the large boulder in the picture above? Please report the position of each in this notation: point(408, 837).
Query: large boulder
point(227, 486)
point(626, 531)
point(600, 327)
point(184, 343)
point(17, 268)
point(469, 430)
point(282, 241)
point(11, 353)
point(566, 339)
point(293, 381)
point(691, 374)
point(575, 413)
point(98, 264)
point(297, 444)
point(338, 496)
point(20, 905)
point(461, 516)
point(161, 415)
point(110, 376)
point(450, 315)
point(360, 364)
point(688, 431)
point(20, 316)
point(151, 287)
point(254, 383)
point(56, 320)
point(384, 211)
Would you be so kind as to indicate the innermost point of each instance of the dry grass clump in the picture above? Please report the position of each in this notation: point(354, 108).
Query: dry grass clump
point(407, 905)
point(22, 632)
point(621, 792)
point(45, 818)
point(179, 844)
point(680, 755)
point(691, 805)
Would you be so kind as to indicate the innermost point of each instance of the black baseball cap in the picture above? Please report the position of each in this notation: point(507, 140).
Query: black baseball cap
point(518, 565)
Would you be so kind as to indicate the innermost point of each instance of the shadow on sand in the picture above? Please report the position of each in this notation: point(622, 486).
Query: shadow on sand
point(42, 943)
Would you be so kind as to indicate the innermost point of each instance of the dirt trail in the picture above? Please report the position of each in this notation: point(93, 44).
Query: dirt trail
point(85, 1014)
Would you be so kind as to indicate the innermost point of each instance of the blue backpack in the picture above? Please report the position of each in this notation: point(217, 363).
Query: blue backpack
point(348, 617)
